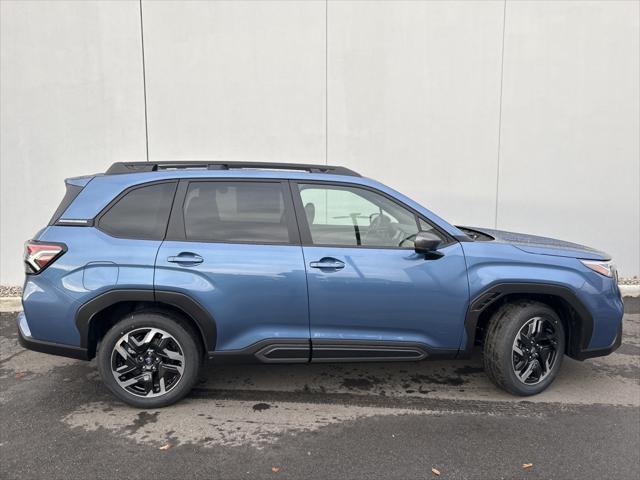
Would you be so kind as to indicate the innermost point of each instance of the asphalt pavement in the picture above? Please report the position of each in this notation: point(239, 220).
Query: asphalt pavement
point(346, 421)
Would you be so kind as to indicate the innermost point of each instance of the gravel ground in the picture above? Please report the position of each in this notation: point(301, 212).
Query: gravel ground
point(9, 291)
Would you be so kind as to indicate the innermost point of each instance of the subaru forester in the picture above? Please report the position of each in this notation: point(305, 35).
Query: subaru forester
point(153, 268)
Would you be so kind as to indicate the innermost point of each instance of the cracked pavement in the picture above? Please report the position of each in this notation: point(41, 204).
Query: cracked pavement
point(368, 421)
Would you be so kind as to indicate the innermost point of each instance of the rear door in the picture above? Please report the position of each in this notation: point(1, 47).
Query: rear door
point(371, 297)
point(233, 246)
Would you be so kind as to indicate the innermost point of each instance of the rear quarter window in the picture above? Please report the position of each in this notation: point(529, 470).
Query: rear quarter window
point(142, 212)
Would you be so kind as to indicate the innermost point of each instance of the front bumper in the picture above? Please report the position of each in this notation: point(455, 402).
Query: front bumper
point(30, 343)
point(600, 352)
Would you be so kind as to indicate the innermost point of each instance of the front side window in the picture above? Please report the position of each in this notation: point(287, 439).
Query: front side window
point(236, 212)
point(141, 213)
point(352, 216)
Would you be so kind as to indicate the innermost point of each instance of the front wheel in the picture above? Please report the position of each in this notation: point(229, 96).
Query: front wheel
point(524, 347)
point(149, 360)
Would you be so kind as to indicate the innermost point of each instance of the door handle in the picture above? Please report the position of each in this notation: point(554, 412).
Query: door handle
point(328, 262)
point(186, 258)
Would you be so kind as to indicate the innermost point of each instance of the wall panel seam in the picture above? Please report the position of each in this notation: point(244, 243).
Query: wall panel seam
point(497, 194)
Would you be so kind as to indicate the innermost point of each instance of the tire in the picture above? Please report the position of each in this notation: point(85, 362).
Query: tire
point(536, 358)
point(159, 372)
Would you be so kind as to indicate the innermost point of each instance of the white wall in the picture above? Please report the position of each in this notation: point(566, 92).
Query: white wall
point(414, 99)
point(407, 92)
point(570, 148)
point(71, 102)
point(241, 80)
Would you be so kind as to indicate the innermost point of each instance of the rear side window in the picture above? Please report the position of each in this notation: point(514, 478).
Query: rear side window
point(253, 212)
point(141, 213)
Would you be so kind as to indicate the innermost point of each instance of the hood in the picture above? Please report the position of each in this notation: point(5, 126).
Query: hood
point(536, 244)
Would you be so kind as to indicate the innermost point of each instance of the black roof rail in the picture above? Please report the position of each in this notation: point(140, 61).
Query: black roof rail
point(136, 167)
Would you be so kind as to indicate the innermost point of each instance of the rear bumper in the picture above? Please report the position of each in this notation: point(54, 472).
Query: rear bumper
point(30, 343)
point(600, 352)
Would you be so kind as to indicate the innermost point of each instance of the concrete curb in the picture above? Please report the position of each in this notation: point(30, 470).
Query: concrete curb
point(630, 290)
point(10, 304)
point(14, 304)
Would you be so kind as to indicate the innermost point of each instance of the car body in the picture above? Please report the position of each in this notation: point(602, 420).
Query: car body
point(281, 263)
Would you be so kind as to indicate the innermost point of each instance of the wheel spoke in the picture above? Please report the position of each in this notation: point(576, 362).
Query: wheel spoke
point(161, 384)
point(148, 384)
point(545, 352)
point(131, 381)
point(173, 355)
point(150, 336)
point(123, 352)
point(527, 373)
point(174, 369)
point(126, 368)
point(524, 339)
point(517, 350)
point(535, 327)
point(131, 344)
point(546, 357)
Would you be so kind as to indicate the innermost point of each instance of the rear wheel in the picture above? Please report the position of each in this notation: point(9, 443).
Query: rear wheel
point(149, 359)
point(524, 347)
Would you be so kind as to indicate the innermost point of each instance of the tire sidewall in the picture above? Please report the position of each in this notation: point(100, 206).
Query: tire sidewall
point(190, 350)
point(506, 345)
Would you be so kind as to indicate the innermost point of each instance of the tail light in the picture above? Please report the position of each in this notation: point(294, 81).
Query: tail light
point(39, 255)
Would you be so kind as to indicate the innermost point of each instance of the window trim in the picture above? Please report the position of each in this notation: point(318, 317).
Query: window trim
point(176, 230)
point(96, 220)
point(305, 232)
point(70, 194)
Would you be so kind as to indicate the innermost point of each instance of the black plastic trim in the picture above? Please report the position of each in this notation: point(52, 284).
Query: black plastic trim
point(53, 348)
point(135, 167)
point(578, 343)
point(347, 351)
point(206, 323)
point(271, 350)
point(175, 228)
point(86, 313)
point(366, 353)
point(71, 193)
point(600, 352)
point(277, 350)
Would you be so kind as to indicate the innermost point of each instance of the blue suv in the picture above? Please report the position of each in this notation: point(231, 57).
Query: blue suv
point(154, 268)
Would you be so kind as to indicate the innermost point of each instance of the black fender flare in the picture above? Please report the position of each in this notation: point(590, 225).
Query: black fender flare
point(580, 330)
point(190, 307)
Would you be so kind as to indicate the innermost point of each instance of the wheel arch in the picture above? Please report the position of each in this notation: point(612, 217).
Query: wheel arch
point(95, 317)
point(576, 319)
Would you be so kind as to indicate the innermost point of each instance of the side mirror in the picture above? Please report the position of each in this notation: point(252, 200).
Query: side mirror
point(427, 243)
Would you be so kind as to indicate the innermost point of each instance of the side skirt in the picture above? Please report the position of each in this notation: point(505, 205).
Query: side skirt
point(267, 351)
point(329, 351)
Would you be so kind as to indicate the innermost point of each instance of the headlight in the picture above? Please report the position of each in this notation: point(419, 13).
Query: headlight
point(606, 268)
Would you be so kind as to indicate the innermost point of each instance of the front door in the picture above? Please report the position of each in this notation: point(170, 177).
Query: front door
point(371, 297)
point(233, 246)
